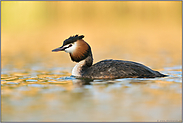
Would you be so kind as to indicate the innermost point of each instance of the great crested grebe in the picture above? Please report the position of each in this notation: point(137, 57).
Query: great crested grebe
point(80, 52)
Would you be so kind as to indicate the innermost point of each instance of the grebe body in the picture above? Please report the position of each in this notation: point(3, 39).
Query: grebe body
point(80, 52)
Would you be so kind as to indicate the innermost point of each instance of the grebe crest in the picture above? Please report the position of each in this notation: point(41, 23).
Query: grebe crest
point(80, 52)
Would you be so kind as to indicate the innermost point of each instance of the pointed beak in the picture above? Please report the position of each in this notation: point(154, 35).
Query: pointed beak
point(59, 49)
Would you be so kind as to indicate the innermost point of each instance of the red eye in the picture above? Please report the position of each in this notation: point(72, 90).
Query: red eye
point(70, 45)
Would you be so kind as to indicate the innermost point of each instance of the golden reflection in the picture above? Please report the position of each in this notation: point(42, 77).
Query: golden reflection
point(36, 81)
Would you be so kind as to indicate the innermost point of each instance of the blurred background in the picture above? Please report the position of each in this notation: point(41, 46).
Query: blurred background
point(36, 83)
point(147, 32)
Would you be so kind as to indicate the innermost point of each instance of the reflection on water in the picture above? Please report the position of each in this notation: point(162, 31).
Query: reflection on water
point(55, 96)
point(36, 83)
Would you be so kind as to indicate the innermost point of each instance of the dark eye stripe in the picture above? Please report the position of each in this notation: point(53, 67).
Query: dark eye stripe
point(70, 45)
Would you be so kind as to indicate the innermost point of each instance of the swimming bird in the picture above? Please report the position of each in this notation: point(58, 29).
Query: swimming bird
point(80, 52)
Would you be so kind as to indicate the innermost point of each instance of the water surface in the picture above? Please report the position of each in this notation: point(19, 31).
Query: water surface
point(36, 83)
point(55, 96)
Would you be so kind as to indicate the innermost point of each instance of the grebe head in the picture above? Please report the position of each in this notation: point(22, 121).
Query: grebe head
point(76, 47)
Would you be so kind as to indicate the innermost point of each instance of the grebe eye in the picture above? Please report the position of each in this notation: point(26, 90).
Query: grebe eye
point(70, 45)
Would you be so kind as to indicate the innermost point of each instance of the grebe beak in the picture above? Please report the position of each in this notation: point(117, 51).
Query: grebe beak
point(62, 48)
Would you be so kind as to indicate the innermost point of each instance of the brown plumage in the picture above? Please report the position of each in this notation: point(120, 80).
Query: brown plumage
point(80, 52)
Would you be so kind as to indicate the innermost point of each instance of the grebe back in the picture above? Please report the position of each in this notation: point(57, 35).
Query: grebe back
point(80, 52)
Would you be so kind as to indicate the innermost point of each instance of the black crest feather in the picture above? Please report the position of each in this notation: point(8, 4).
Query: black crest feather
point(72, 39)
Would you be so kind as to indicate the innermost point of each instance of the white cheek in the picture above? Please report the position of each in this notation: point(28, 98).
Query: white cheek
point(71, 49)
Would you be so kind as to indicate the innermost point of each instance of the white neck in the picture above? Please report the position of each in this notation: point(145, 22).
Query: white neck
point(76, 71)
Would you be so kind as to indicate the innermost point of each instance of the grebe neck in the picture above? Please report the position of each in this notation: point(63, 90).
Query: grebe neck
point(81, 66)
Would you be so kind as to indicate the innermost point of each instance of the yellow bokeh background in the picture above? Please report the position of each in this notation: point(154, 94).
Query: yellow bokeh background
point(145, 31)
point(149, 32)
